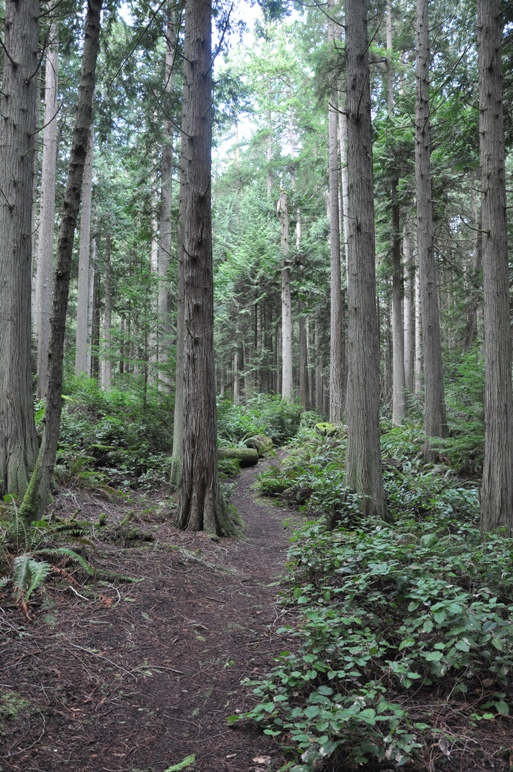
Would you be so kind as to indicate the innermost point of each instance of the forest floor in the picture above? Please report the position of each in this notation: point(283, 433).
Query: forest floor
point(138, 676)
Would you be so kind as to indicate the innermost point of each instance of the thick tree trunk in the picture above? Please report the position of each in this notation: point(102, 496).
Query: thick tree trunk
point(81, 339)
point(201, 503)
point(18, 443)
point(363, 458)
point(434, 402)
point(497, 488)
point(36, 496)
point(44, 274)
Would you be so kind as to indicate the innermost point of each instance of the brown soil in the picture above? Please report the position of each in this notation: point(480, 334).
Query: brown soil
point(136, 676)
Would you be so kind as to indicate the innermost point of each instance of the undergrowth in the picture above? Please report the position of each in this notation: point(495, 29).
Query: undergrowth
point(110, 438)
point(387, 617)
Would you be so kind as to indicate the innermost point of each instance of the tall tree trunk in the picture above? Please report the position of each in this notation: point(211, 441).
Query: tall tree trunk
point(18, 443)
point(409, 311)
point(81, 340)
point(304, 391)
point(36, 497)
point(106, 355)
point(166, 201)
point(474, 271)
point(497, 487)
point(201, 503)
point(95, 320)
point(363, 458)
point(398, 376)
point(337, 331)
point(434, 402)
point(287, 387)
point(418, 369)
point(44, 274)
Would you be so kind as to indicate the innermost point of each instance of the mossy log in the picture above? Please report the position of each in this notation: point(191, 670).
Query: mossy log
point(327, 429)
point(261, 443)
point(245, 456)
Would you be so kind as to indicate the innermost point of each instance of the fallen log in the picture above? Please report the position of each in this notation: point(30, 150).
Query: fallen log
point(261, 443)
point(245, 456)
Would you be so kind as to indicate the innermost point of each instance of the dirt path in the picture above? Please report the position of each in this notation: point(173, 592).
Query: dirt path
point(142, 675)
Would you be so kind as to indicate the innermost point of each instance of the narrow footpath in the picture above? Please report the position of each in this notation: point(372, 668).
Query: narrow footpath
point(142, 675)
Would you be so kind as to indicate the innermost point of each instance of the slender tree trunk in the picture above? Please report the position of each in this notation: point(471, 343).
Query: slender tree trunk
point(95, 322)
point(398, 376)
point(287, 388)
point(434, 402)
point(304, 396)
point(336, 316)
point(201, 503)
point(106, 357)
point(36, 496)
point(363, 458)
point(44, 274)
point(81, 340)
point(474, 272)
point(418, 369)
point(164, 253)
point(409, 311)
point(497, 487)
point(18, 443)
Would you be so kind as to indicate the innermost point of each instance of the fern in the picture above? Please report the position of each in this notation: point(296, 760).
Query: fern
point(28, 574)
point(69, 553)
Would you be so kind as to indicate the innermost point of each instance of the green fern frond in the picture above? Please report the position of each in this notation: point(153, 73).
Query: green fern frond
point(28, 574)
point(69, 553)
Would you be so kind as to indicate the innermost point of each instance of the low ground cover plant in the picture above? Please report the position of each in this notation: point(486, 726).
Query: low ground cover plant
point(385, 614)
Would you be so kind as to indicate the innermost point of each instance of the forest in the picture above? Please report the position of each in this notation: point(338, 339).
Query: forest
point(256, 399)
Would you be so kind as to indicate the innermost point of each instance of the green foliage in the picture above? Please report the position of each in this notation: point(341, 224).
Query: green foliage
point(263, 414)
point(385, 611)
point(29, 553)
point(112, 437)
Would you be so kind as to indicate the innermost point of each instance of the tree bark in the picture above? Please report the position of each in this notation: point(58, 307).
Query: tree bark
point(44, 272)
point(434, 402)
point(398, 375)
point(81, 339)
point(409, 311)
point(337, 331)
point(166, 202)
point(497, 487)
point(36, 496)
point(18, 443)
point(106, 353)
point(287, 384)
point(201, 503)
point(363, 458)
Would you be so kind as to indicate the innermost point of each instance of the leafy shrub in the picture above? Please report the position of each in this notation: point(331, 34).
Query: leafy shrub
point(263, 414)
point(112, 437)
point(384, 610)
